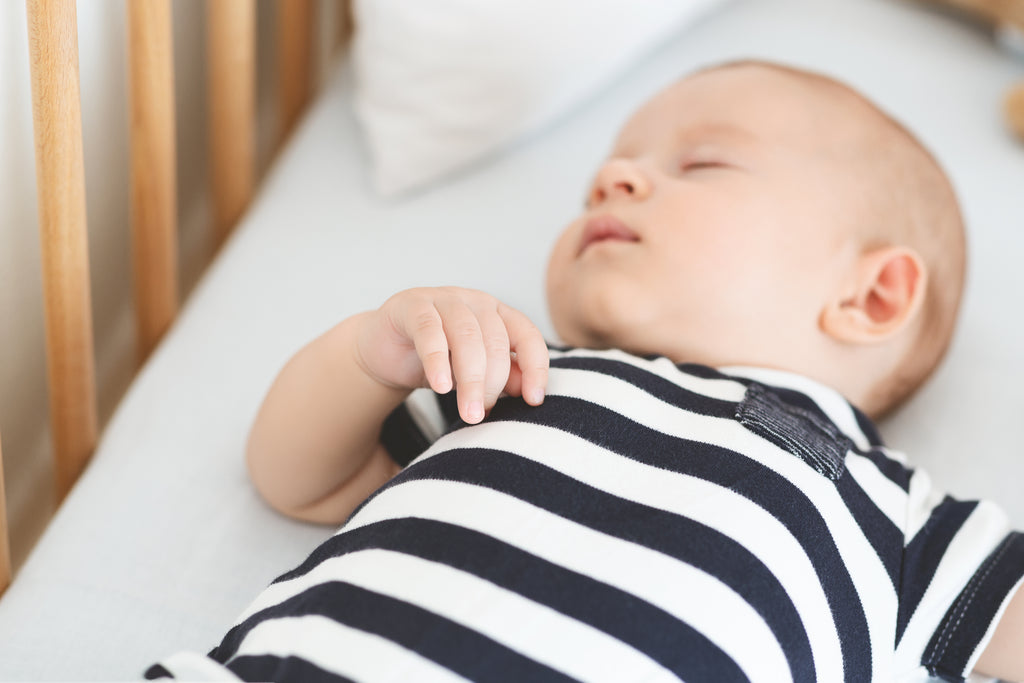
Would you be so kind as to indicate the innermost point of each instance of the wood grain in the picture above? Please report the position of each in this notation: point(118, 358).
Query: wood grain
point(60, 178)
point(231, 81)
point(154, 212)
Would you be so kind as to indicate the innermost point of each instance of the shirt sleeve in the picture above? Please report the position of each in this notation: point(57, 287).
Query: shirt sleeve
point(417, 423)
point(962, 564)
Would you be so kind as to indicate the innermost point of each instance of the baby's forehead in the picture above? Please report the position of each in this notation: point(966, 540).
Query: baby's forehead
point(751, 105)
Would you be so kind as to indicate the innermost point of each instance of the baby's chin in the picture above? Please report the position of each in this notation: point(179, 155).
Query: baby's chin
point(641, 341)
point(578, 334)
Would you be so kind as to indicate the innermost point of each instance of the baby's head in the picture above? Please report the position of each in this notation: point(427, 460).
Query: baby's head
point(755, 214)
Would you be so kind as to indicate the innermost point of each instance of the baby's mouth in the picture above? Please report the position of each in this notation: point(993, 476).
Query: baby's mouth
point(604, 228)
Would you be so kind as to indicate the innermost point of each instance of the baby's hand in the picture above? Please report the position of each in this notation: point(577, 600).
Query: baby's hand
point(450, 337)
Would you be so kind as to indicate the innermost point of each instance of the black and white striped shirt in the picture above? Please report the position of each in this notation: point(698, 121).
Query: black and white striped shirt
point(649, 522)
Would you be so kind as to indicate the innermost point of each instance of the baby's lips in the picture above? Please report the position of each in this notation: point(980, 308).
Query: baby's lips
point(605, 227)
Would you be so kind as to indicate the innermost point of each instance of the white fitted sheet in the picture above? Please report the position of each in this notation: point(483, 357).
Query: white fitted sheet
point(163, 542)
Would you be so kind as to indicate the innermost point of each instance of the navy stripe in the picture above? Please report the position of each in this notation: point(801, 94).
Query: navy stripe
point(893, 470)
point(401, 437)
point(706, 372)
point(672, 643)
point(744, 476)
point(653, 384)
point(157, 671)
point(967, 621)
point(282, 670)
point(666, 532)
point(868, 428)
point(925, 552)
point(884, 536)
point(451, 645)
point(448, 404)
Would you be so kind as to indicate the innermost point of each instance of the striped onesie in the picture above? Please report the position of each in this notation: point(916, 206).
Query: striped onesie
point(649, 522)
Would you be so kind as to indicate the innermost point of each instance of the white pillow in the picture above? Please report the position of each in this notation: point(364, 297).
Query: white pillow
point(440, 83)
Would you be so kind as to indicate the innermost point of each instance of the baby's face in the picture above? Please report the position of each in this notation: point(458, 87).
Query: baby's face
point(715, 230)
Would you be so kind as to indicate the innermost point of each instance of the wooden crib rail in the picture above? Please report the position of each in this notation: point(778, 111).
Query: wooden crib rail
point(56, 110)
point(231, 88)
point(295, 65)
point(154, 194)
point(5, 545)
point(60, 178)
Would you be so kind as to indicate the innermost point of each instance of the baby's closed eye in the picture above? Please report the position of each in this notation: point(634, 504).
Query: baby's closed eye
point(701, 164)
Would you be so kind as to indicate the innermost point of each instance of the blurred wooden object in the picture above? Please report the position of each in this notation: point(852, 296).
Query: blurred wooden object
point(344, 25)
point(5, 545)
point(1015, 110)
point(231, 82)
point(993, 11)
point(294, 61)
point(1007, 15)
point(154, 193)
point(60, 177)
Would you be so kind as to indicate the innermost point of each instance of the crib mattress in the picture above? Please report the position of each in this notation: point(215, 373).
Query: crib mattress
point(163, 542)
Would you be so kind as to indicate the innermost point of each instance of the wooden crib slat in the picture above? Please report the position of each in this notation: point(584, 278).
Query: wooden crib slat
point(231, 82)
point(5, 537)
point(60, 176)
point(344, 24)
point(154, 181)
point(294, 61)
point(995, 11)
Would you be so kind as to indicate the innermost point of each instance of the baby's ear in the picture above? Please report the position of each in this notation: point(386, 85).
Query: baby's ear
point(882, 296)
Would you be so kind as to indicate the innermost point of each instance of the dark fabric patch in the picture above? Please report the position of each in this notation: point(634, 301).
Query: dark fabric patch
point(804, 433)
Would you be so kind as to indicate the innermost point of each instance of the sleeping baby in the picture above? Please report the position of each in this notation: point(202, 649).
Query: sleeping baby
point(692, 488)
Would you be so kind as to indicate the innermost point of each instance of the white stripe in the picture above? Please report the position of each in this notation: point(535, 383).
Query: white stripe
point(714, 506)
point(893, 454)
point(534, 630)
point(192, 666)
point(342, 650)
point(868, 573)
point(680, 589)
point(922, 499)
point(633, 402)
point(722, 389)
point(889, 497)
point(426, 413)
point(974, 542)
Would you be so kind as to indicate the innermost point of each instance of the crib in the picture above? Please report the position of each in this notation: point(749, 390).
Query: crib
point(57, 118)
point(160, 541)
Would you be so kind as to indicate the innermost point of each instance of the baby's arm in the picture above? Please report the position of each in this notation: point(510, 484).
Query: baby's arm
point(1004, 655)
point(314, 451)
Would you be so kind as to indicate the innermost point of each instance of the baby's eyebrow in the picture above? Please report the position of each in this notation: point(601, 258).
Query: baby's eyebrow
point(689, 134)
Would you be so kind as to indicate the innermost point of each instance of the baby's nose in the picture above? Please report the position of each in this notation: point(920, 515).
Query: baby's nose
point(619, 177)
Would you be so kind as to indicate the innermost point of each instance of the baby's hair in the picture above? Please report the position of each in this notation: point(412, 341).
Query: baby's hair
point(910, 202)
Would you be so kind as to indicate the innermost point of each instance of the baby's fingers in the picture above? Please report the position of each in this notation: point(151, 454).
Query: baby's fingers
point(531, 355)
point(432, 348)
point(496, 346)
point(468, 356)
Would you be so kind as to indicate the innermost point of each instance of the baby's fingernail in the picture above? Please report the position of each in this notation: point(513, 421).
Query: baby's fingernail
point(535, 397)
point(475, 411)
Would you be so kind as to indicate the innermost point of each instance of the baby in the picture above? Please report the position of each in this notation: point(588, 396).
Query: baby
point(693, 489)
